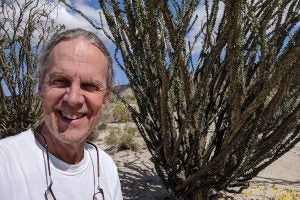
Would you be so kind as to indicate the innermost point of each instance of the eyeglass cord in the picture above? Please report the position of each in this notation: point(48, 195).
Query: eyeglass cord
point(45, 145)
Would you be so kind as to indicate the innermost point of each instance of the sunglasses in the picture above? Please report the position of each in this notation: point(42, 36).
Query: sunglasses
point(49, 194)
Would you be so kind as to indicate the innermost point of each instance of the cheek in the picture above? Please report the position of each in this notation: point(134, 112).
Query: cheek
point(96, 104)
point(50, 97)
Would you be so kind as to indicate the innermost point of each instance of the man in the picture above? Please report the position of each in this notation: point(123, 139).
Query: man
point(54, 161)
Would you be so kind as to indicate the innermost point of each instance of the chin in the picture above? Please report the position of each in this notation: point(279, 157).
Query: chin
point(72, 140)
point(69, 137)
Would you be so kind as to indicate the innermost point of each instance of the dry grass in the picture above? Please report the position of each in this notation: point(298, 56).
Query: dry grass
point(120, 139)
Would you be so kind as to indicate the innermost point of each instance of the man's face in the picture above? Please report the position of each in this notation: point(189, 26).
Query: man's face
point(74, 90)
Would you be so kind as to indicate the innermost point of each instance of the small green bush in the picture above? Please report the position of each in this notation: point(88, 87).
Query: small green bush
point(112, 138)
point(120, 113)
point(130, 99)
point(95, 133)
point(120, 140)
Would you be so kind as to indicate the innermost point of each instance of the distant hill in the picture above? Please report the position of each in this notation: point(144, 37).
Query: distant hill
point(123, 90)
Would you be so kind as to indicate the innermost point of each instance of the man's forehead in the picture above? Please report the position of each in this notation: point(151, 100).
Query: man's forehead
point(77, 48)
point(61, 74)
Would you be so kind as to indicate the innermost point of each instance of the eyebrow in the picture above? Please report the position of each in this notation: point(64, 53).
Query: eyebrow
point(62, 75)
point(96, 82)
point(52, 76)
point(55, 75)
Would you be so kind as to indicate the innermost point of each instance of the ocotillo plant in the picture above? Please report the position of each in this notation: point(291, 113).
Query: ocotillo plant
point(216, 108)
point(24, 26)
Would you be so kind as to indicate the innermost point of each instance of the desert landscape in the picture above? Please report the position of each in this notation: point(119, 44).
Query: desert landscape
point(281, 180)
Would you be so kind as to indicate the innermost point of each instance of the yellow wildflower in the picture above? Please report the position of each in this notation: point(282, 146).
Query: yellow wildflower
point(261, 187)
point(275, 187)
point(247, 194)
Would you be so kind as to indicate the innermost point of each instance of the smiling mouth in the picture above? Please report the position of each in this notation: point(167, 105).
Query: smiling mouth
point(72, 116)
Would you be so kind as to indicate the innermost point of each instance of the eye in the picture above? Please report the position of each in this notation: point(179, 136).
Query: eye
point(59, 82)
point(91, 87)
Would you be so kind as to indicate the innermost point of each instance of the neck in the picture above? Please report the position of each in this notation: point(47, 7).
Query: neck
point(69, 153)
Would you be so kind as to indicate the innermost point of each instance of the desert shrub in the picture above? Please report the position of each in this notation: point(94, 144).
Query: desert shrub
point(112, 138)
point(95, 133)
point(130, 99)
point(106, 115)
point(132, 130)
point(22, 36)
point(101, 127)
point(113, 99)
point(267, 191)
point(235, 69)
point(120, 113)
point(120, 140)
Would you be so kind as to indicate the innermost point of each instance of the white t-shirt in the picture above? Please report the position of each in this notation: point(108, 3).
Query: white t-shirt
point(24, 175)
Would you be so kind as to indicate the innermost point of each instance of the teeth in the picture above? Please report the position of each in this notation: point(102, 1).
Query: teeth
point(72, 116)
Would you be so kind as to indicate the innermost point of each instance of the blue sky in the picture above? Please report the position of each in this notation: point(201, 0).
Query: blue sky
point(65, 16)
point(91, 8)
point(70, 19)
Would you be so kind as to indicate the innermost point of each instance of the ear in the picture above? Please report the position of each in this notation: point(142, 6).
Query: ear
point(106, 98)
point(40, 92)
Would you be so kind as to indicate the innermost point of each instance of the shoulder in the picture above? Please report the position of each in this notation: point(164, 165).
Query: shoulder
point(16, 144)
point(13, 150)
point(103, 156)
point(22, 137)
point(105, 160)
point(109, 176)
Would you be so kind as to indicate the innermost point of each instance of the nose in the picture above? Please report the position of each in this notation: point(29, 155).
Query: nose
point(73, 95)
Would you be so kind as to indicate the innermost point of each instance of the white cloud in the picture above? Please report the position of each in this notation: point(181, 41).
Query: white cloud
point(71, 19)
point(202, 17)
point(91, 12)
point(63, 15)
point(20, 11)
